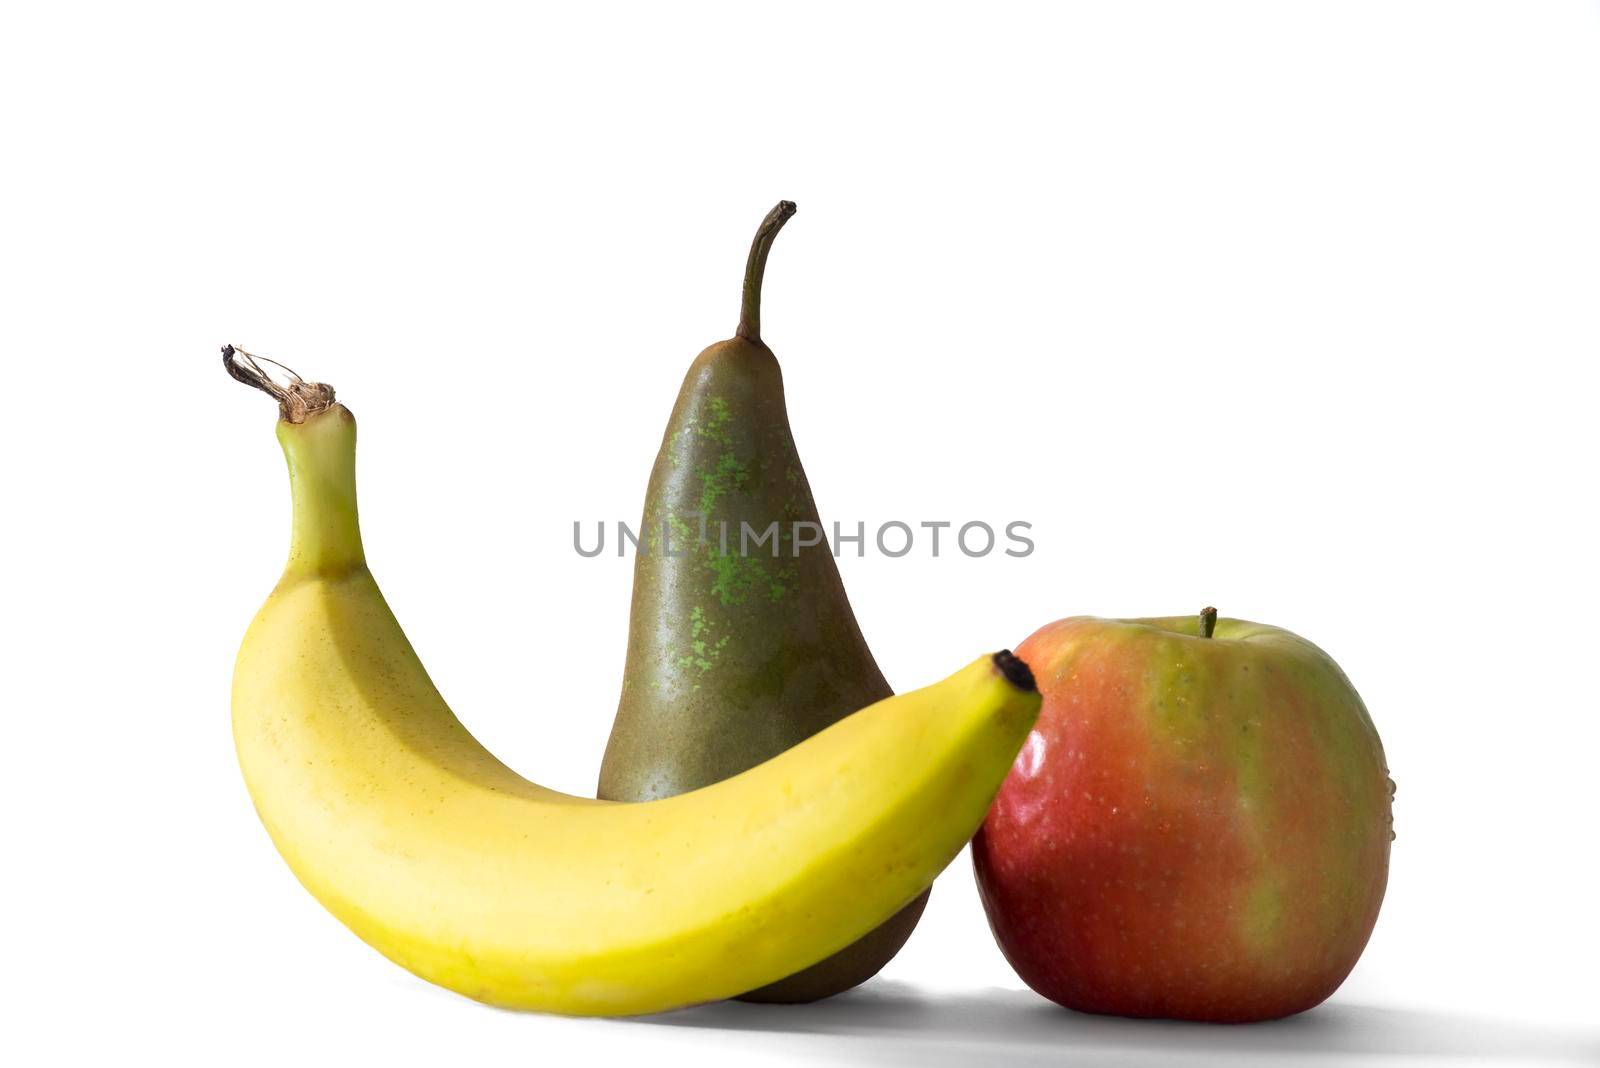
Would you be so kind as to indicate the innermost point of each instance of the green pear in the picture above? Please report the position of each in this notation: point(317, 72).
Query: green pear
point(741, 641)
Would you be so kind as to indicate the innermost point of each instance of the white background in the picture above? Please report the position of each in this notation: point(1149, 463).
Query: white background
point(1289, 308)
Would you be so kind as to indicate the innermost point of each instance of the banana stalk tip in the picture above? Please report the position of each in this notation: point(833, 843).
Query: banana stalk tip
point(1017, 672)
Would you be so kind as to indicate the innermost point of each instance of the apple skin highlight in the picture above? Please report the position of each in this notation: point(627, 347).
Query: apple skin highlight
point(1197, 828)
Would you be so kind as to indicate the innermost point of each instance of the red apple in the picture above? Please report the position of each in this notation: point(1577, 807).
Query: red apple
point(1198, 826)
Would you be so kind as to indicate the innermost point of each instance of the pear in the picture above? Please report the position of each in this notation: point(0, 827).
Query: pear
point(741, 642)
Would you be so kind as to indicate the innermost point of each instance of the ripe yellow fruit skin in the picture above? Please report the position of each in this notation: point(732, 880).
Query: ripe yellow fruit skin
point(452, 865)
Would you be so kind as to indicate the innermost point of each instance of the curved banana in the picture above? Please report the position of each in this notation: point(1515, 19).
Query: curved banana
point(452, 865)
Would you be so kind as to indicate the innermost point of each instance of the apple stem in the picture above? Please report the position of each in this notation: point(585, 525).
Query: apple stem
point(1208, 622)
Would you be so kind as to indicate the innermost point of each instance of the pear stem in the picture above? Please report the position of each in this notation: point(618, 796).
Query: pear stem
point(1208, 622)
point(756, 266)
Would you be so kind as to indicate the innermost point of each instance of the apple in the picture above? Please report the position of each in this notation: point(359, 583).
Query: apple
point(1197, 828)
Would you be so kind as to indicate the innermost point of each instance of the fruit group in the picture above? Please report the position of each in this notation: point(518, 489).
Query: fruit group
point(738, 648)
point(452, 865)
point(1197, 827)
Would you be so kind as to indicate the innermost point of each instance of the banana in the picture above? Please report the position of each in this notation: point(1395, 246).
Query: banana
point(452, 865)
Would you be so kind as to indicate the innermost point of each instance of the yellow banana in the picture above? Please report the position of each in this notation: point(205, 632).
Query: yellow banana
point(452, 865)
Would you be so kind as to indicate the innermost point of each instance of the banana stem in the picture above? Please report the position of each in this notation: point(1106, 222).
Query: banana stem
point(325, 538)
point(297, 401)
point(319, 442)
point(756, 267)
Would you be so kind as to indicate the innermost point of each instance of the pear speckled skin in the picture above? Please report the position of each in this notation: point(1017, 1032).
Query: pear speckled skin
point(736, 654)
